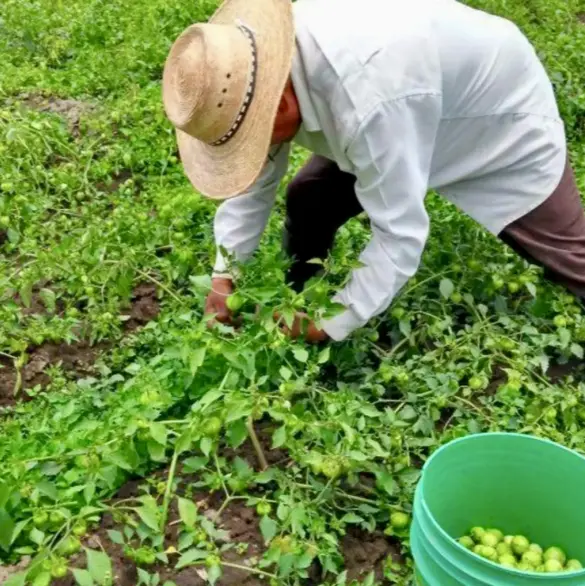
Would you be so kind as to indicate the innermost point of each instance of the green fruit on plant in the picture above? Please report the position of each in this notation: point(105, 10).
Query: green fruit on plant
point(56, 518)
point(513, 287)
point(40, 518)
point(211, 561)
point(263, 508)
point(212, 426)
point(560, 321)
point(59, 568)
point(331, 468)
point(79, 528)
point(398, 313)
point(475, 383)
point(70, 545)
point(234, 302)
point(399, 520)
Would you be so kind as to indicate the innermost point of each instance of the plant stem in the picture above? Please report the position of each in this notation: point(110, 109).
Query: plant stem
point(247, 569)
point(256, 444)
point(167, 497)
point(161, 285)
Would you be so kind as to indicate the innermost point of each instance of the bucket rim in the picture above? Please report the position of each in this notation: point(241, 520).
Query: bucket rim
point(444, 534)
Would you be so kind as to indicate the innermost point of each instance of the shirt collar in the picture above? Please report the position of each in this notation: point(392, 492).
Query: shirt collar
point(310, 120)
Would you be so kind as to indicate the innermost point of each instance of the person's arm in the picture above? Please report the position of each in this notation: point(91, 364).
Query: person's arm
point(391, 154)
point(240, 221)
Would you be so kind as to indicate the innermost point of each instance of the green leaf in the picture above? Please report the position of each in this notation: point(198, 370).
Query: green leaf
point(285, 372)
point(195, 463)
point(404, 327)
point(206, 445)
point(36, 536)
point(196, 358)
point(6, 529)
point(156, 451)
point(99, 566)
point(149, 516)
point(324, 355)
point(352, 518)
point(386, 482)
point(237, 433)
point(48, 489)
point(184, 442)
point(116, 537)
point(268, 528)
point(5, 492)
point(187, 512)
point(16, 580)
point(279, 437)
point(191, 556)
point(577, 350)
point(49, 299)
point(42, 579)
point(82, 577)
point(301, 354)
point(214, 574)
point(446, 287)
point(159, 433)
point(89, 491)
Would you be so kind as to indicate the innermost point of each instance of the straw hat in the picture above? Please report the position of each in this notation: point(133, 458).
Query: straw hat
point(222, 84)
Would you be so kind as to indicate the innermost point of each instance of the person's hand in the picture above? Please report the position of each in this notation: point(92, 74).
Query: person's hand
point(221, 289)
point(303, 327)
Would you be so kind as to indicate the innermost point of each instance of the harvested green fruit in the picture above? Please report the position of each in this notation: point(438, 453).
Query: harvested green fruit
point(516, 552)
point(555, 553)
point(489, 539)
point(477, 533)
point(520, 544)
point(553, 566)
point(467, 542)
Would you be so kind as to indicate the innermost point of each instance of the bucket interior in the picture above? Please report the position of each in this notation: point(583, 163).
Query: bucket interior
point(515, 483)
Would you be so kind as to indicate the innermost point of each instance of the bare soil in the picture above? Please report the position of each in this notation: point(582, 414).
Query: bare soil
point(71, 110)
point(77, 358)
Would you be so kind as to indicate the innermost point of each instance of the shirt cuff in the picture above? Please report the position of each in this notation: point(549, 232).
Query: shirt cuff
point(342, 325)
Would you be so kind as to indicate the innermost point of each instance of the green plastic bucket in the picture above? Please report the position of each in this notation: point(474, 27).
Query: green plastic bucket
point(517, 483)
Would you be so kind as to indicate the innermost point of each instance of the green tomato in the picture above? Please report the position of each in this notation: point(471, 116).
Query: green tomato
point(70, 545)
point(532, 557)
point(212, 561)
point(513, 287)
point(560, 321)
point(573, 566)
point(553, 566)
point(475, 383)
point(456, 297)
point(398, 313)
point(555, 553)
point(520, 544)
point(504, 549)
point(212, 427)
point(80, 528)
point(525, 567)
point(331, 468)
point(59, 569)
point(489, 539)
point(477, 533)
point(535, 547)
point(467, 542)
point(399, 520)
point(40, 518)
point(56, 518)
point(497, 533)
point(498, 282)
point(489, 553)
point(263, 508)
point(234, 302)
point(507, 560)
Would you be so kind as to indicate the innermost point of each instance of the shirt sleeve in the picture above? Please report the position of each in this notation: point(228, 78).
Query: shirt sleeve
point(391, 157)
point(240, 221)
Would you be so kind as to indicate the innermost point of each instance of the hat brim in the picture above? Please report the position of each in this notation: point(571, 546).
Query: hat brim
point(225, 171)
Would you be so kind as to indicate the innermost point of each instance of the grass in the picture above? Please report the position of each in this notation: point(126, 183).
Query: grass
point(94, 203)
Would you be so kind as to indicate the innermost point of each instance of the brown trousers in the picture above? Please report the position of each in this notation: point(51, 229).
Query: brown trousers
point(321, 198)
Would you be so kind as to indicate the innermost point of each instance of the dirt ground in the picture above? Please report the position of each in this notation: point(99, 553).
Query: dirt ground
point(77, 358)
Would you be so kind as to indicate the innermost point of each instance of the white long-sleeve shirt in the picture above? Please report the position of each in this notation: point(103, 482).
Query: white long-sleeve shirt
point(411, 95)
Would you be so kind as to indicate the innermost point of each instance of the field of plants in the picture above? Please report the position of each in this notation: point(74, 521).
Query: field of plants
point(139, 447)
